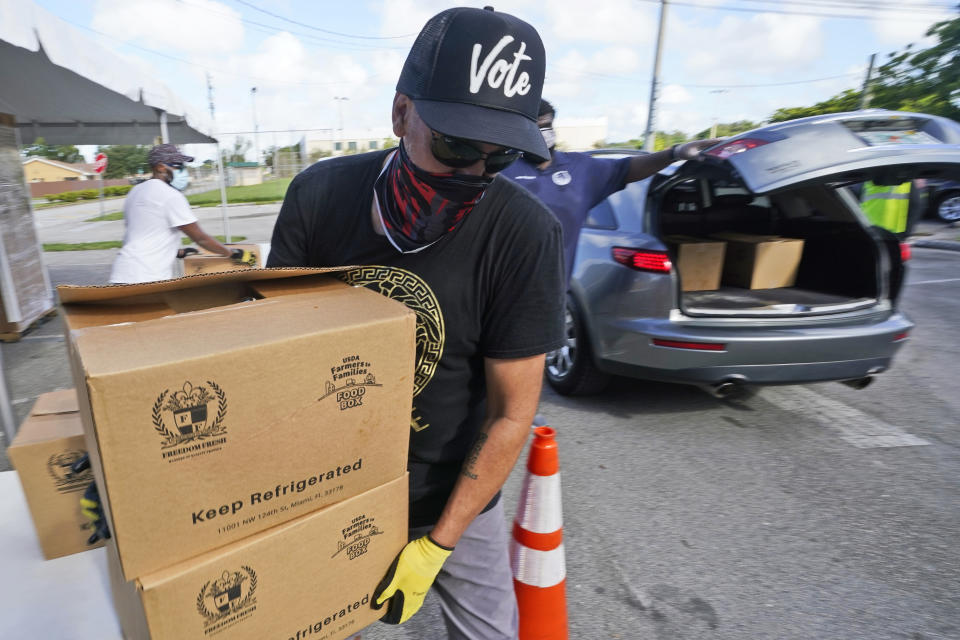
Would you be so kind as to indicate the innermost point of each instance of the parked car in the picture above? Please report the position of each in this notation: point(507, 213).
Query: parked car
point(943, 198)
point(627, 313)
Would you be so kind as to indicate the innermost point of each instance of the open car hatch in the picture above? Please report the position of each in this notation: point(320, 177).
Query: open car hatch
point(887, 147)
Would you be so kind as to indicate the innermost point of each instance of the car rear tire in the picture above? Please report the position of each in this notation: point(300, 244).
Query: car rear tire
point(570, 369)
point(947, 206)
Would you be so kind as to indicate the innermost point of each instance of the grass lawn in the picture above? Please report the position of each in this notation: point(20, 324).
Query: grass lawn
point(82, 246)
point(112, 244)
point(233, 238)
point(114, 215)
point(50, 205)
point(270, 191)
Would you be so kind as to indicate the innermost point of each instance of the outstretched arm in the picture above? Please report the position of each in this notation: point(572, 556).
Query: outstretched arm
point(647, 164)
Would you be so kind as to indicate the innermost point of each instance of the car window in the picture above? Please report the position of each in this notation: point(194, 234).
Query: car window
point(601, 217)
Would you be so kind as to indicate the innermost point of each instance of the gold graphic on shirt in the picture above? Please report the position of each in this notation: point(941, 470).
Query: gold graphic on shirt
point(410, 289)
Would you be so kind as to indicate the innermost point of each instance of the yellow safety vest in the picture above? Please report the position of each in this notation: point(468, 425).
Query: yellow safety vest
point(886, 207)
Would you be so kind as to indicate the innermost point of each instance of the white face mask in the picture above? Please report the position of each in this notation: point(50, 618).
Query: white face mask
point(549, 136)
point(180, 179)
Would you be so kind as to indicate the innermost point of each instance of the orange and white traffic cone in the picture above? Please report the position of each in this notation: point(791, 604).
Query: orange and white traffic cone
point(536, 553)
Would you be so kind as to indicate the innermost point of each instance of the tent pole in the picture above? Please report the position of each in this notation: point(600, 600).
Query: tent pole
point(164, 134)
point(6, 408)
point(223, 196)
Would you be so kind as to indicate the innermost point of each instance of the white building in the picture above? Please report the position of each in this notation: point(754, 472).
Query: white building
point(335, 142)
point(580, 134)
point(573, 134)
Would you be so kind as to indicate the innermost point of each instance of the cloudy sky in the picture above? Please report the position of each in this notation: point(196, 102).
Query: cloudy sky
point(723, 59)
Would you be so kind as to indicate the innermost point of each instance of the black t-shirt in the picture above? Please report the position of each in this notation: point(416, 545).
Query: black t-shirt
point(491, 288)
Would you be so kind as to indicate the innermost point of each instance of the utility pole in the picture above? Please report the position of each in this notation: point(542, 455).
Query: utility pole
point(340, 100)
point(649, 135)
point(865, 92)
point(716, 92)
point(223, 186)
point(256, 130)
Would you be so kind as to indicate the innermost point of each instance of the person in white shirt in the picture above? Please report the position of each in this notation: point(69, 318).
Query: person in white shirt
point(156, 213)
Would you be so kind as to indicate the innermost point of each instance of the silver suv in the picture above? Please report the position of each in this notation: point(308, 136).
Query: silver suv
point(629, 314)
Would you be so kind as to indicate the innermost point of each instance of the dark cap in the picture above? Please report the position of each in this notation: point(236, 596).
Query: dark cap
point(478, 74)
point(166, 154)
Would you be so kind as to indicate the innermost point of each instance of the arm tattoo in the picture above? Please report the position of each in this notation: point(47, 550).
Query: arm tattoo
point(471, 460)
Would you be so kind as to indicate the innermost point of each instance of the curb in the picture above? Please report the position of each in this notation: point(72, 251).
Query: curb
point(937, 244)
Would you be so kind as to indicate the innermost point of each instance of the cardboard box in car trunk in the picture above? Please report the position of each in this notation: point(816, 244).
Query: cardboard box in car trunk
point(206, 262)
point(224, 411)
point(48, 442)
point(760, 262)
point(311, 578)
point(699, 262)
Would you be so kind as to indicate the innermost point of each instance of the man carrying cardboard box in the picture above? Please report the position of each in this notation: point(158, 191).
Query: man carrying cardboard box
point(480, 262)
point(155, 212)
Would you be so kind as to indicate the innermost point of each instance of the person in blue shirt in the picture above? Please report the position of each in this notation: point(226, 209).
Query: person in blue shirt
point(571, 184)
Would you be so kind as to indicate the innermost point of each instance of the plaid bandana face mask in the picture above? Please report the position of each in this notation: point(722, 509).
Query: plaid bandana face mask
point(417, 207)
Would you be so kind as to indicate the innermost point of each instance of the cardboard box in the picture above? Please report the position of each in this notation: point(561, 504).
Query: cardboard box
point(206, 262)
point(48, 442)
point(312, 578)
point(222, 418)
point(699, 262)
point(760, 262)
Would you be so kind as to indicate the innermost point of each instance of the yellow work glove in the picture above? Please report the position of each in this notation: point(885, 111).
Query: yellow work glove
point(244, 257)
point(90, 505)
point(409, 578)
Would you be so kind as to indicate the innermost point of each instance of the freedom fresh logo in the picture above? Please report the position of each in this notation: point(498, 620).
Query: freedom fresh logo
point(227, 600)
point(64, 479)
point(189, 420)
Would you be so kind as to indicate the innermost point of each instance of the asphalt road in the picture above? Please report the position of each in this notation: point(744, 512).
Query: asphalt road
point(804, 512)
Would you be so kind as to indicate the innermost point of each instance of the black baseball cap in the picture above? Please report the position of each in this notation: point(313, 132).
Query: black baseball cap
point(478, 74)
point(166, 154)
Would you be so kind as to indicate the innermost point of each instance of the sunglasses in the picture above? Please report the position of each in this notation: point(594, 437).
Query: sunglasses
point(459, 153)
point(174, 165)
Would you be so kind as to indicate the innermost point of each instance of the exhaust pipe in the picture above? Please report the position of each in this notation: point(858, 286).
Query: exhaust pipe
point(859, 383)
point(723, 390)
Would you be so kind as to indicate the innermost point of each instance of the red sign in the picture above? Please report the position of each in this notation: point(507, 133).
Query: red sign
point(100, 162)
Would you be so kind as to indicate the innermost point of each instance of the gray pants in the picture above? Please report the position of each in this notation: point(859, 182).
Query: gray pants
point(475, 586)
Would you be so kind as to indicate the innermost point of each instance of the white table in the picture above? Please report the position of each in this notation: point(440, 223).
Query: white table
point(64, 598)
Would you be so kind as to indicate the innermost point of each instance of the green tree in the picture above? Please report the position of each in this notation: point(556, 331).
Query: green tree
point(662, 140)
point(725, 129)
point(927, 81)
point(270, 152)
point(125, 160)
point(60, 152)
point(239, 152)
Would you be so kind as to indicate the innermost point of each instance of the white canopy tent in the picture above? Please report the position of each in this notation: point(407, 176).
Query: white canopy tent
point(59, 84)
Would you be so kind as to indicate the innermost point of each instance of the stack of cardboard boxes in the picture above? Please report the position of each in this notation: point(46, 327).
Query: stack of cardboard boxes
point(742, 260)
point(248, 433)
point(49, 441)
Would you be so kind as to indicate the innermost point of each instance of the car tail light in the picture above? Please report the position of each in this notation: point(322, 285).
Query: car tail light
point(732, 147)
point(656, 261)
point(901, 336)
point(696, 346)
point(905, 252)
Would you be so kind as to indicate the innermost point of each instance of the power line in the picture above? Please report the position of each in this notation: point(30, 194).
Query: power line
point(863, 16)
point(206, 68)
point(259, 26)
point(309, 26)
point(868, 5)
point(768, 84)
